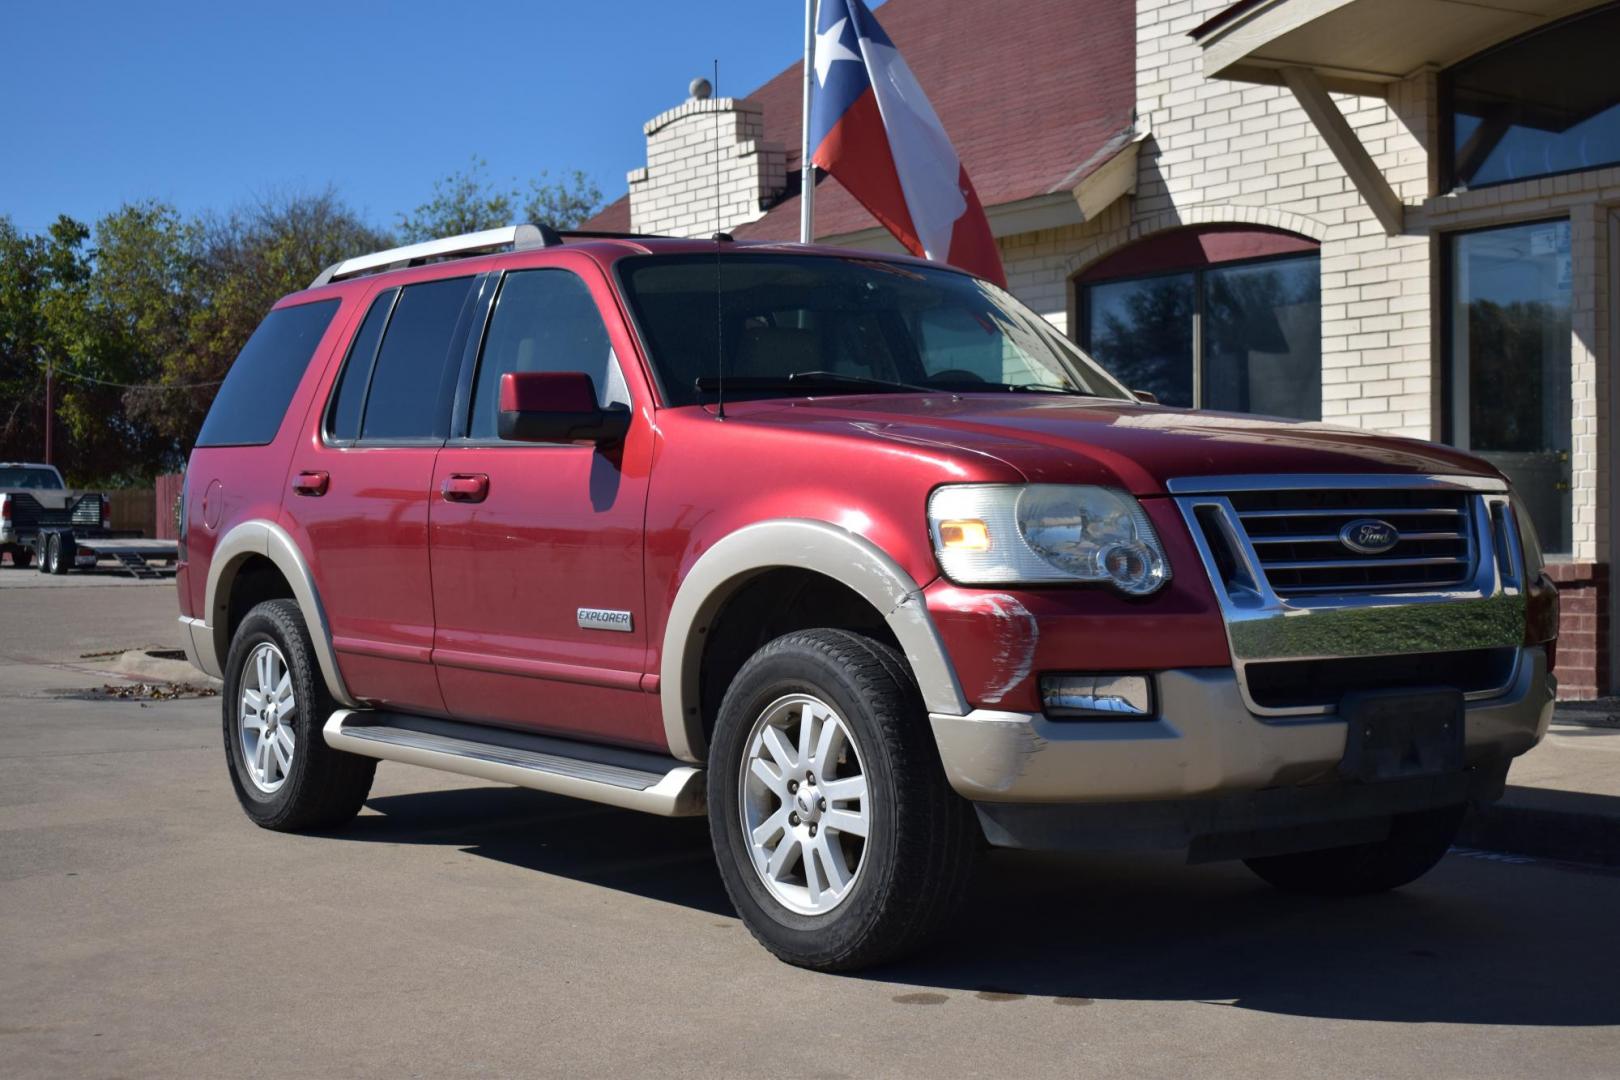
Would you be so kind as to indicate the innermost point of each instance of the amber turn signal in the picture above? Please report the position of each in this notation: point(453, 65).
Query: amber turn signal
point(968, 534)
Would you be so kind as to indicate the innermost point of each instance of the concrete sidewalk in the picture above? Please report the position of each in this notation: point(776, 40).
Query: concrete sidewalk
point(1563, 798)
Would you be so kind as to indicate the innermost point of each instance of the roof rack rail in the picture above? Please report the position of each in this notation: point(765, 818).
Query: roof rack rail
point(512, 237)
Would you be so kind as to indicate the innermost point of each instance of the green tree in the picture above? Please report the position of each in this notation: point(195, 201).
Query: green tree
point(242, 263)
point(49, 317)
point(563, 204)
point(24, 341)
point(468, 201)
point(462, 202)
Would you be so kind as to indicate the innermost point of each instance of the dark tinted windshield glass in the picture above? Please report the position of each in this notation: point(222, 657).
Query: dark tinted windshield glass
point(823, 324)
point(544, 320)
point(413, 377)
point(343, 419)
point(28, 479)
point(248, 409)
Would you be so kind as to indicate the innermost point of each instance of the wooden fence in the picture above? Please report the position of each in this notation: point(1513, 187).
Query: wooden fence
point(166, 505)
point(132, 508)
point(153, 511)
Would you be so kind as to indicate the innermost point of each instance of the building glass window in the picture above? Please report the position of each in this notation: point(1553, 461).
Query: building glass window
point(1543, 104)
point(1236, 336)
point(1509, 332)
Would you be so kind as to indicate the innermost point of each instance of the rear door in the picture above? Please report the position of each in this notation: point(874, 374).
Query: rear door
point(361, 482)
point(550, 534)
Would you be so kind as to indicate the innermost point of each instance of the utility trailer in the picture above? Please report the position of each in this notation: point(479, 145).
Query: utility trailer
point(42, 522)
point(59, 550)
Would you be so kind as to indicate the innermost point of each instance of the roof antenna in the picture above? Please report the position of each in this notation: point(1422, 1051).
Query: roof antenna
point(719, 319)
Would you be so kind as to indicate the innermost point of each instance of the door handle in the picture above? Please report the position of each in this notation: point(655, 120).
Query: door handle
point(466, 487)
point(311, 483)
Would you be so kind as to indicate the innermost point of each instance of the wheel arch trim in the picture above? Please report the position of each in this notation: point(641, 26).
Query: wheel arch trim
point(235, 548)
point(804, 544)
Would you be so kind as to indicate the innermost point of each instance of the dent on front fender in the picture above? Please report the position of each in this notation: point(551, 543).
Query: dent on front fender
point(1001, 640)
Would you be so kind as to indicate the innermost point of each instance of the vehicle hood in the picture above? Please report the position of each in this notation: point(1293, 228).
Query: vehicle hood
point(1087, 440)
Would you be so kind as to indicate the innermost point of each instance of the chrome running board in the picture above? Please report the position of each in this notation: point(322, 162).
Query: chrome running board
point(631, 779)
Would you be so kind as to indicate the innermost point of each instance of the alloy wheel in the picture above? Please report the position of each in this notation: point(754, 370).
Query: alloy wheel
point(806, 813)
point(265, 717)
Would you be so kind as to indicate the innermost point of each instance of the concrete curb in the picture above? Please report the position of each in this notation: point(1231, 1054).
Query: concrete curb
point(1568, 825)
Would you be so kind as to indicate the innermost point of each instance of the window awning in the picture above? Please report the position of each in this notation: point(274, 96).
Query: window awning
point(1358, 46)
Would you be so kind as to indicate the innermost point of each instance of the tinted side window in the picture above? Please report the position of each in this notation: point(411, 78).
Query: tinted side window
point(412, 377)
point(343, 416)
point(544, 320)
point(248, 409)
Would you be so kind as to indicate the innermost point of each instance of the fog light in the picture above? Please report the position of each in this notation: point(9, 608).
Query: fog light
point(1110, 697)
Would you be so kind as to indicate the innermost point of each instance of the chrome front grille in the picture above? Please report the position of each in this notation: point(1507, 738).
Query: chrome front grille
point(1307, 617)
point(1296, 535)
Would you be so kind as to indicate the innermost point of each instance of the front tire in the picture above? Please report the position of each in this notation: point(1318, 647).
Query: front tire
point(1416, 842)
point(274, 705)
point(839, 840)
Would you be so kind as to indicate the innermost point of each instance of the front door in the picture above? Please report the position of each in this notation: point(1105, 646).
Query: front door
point(537, 549)
point(361, 491)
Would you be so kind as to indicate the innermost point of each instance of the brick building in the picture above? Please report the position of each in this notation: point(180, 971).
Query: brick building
point(1390, 214)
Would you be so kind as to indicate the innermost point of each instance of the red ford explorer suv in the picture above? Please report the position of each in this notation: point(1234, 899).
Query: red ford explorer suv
point(856, 555)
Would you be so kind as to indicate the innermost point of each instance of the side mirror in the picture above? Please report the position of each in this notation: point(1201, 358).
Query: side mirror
point(557, 407)
point(1146, 396)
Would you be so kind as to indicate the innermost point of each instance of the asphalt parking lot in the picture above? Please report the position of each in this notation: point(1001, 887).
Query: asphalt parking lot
point(148, 930)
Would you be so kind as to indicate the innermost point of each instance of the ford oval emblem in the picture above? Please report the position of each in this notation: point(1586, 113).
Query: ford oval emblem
point(1369, 536)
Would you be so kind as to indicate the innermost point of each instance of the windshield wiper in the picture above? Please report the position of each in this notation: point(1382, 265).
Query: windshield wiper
point(839, 376)
point(1048, 388)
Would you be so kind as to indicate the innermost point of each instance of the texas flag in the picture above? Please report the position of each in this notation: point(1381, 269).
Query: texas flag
point(873, 129)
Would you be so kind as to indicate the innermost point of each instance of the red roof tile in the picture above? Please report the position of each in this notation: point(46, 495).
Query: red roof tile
point(614, 217)
point(1029, 91)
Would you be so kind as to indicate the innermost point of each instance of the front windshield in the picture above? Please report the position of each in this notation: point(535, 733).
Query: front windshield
point(22, 477)
point(794, 325)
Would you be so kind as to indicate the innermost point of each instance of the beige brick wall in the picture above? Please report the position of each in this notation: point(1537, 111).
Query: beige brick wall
point(708, 169)
point(1233, 152)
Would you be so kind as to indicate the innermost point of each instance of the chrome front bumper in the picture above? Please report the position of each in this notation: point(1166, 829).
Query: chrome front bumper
point(1205, 741)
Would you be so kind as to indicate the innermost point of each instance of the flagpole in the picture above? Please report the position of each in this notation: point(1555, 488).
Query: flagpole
point(807, 170)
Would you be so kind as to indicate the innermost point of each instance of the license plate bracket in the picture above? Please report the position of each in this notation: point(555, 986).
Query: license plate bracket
point(1400, 734)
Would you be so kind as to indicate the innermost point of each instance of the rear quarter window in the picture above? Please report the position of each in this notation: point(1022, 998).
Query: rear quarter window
point(413, 378)
point(250, 404)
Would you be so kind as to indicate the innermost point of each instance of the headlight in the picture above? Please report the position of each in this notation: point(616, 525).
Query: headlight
point(1005, 534)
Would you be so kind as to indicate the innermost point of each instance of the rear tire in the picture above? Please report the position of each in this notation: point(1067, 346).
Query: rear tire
point(21, 558)
point(835, 900)
point(274, 705)
point(1416, 842)
point(62, 561)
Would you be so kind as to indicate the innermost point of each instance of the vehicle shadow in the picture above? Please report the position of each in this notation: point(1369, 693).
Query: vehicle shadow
point(1481, 941)
point(666, 859)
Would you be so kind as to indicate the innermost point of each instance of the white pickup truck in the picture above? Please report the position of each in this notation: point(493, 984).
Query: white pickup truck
point(40, 518)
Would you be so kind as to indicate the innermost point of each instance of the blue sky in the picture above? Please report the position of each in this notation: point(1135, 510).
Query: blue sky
point(207, 104)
